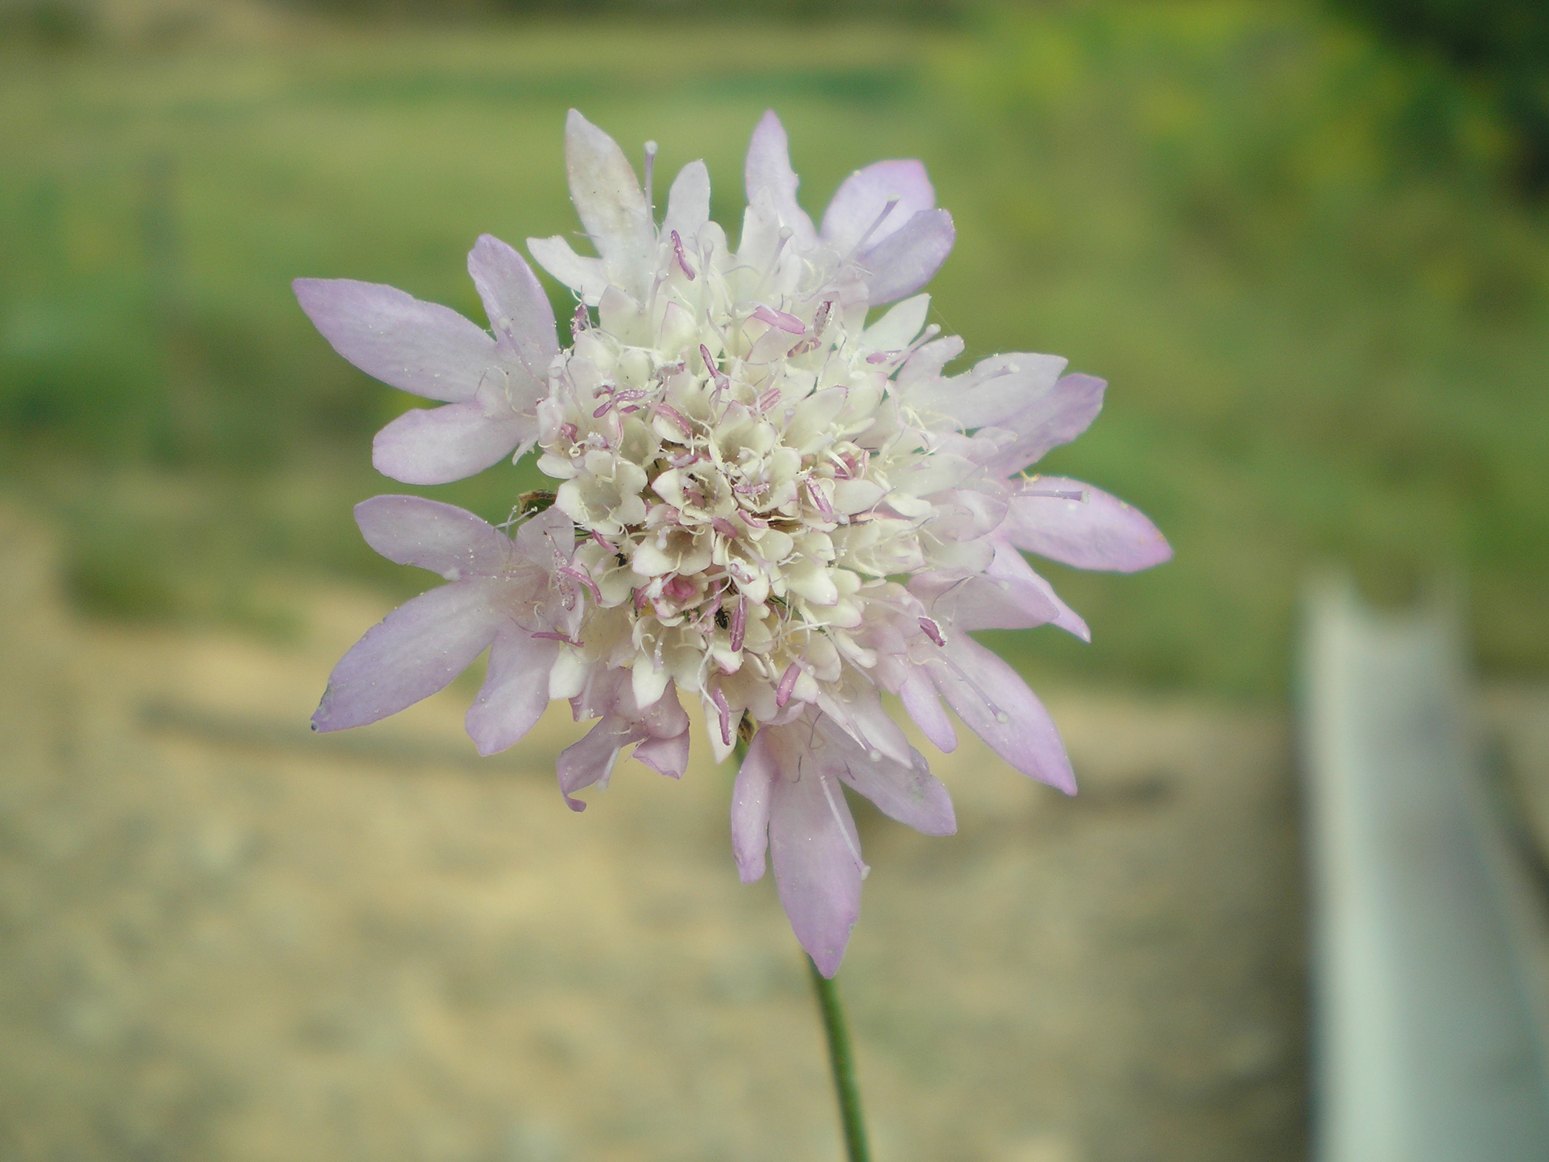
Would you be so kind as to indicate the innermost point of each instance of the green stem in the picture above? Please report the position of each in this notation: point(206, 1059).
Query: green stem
point(842, 1060)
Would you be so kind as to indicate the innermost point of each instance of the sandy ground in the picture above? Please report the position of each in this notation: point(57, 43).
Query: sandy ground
point(222, 937)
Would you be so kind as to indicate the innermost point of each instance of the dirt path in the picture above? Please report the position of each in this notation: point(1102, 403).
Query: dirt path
point(225, 938)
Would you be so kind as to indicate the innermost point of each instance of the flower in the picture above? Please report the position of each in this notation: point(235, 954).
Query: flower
point(491, 385)
point(765, 498)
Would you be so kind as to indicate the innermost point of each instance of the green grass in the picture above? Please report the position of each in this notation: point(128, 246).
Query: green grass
point(1324, 322)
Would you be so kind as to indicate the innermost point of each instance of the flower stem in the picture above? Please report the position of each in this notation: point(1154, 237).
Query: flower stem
point(841, 1059)
point(842, 1062)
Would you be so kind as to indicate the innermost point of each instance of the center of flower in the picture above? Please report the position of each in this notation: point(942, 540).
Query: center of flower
point(729, 470)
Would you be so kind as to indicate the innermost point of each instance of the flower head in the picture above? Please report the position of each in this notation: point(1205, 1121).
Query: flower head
point(767, 498)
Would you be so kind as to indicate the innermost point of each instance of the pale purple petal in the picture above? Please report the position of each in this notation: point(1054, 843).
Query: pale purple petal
point(896, 329)
point(993, 701)
point(666, 756)
point(606, 692)
point(1010, 568)
point(858, 711)
point(661, 729)
point(815, 854)
point(966, 514)
point(876, 201)
point(665, 718)
point(519, 312)
point(1016, 565)
point(415, 651)
point(1076, 524)
point(997, 388)
point(588, 277)
point(922, 367)
point(905, 260)
point(417, 346)
point(590, 762)
point(771, 181)
point(440, 445)
point(688, 202)
point(1007, 594)
point(515, 691)
point(750, 804)
point(907, 792)
point(608, 198)
point(431, 535)
point(924, 706)
point(1049, 421)
point(546, 539)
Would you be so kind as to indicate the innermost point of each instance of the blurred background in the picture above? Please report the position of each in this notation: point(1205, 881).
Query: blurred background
point(1306, 243)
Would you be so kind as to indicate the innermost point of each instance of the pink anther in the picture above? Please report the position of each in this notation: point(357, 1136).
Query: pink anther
point(787, 684)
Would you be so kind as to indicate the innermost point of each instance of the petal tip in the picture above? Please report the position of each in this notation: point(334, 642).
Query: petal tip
point(827, 960)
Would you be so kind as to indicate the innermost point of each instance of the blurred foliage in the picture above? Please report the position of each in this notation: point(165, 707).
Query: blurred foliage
point(1500, 45)
point(761, 10)
point(1324, 347)
point(47, 23)
point(1324, 344)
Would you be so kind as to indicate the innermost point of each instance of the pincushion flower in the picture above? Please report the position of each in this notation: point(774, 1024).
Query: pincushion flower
point(767, 498)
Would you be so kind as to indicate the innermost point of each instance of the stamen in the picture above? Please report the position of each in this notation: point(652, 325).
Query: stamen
point(721, 381)
point(585, 579)
point(739, 624)
point(891, 205)
point(819, 321)
point(718, 696)
point(787, 684)
point(676, 418)
point(819, 499)
point(677, 249)
point(550, 635)
point(580, 321)
point(932, 631)
point(780, 320)
point(847, 466)
point(1078, 494)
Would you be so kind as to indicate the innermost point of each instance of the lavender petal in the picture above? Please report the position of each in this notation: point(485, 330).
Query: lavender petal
point(515, 691)
point(429, 534)
point(896, 189)
point(519, 312)
point(413, 652)
point(993, 701)
point(440, 445)
point(906, 259)
point(771, 181)
point(815, 853)
point(392, 336)
point(1076, 524)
